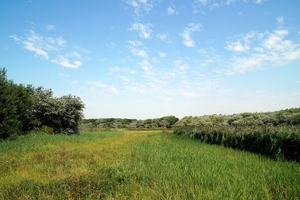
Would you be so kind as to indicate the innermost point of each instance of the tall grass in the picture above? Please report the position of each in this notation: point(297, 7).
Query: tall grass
point(138, 165)
point(273, 141)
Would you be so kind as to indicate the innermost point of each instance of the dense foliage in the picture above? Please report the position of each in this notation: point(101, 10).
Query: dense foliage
point(163, 122)
point(14, 105)
point(62, 114)
point(283, 117)
point(274, 142)
point(274, 134)
point(26, 108)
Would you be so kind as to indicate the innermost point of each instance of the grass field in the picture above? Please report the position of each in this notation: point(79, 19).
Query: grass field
point(138, 165)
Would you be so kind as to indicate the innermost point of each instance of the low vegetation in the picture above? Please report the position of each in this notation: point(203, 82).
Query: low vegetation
point(276, 142)
point(138, 165)
point(282, 117)
point(162, 122)
point(274, 134)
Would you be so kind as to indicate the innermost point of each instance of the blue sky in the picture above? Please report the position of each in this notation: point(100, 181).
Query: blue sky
point(151, 58)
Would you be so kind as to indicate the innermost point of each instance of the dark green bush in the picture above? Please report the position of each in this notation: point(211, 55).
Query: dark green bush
point(14, 106)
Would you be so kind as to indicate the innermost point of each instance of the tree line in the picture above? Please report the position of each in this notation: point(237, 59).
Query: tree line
point(289, 116)
point(24, 108)
point(162, 122)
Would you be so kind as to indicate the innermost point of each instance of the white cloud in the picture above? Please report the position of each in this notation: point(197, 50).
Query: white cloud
point(50, 27)
point(268, 49)
point(236, 46)
point(63, 61)
point(74, 82)
point(280, 21)
point(115, 69)
point(111, 45)
point(76, 54)
point(274, 40)
point(202, 5)
point(143, 29)
point(139, 52)
point(243, 41)
point(171, 10)
point(40, 45)
point(96, 83)
point(162, 54)
point(108, 88)
point(135, 43)
point(258, 1)
point(178, 64)
point(189, 94)
point(125, 78)
point(186, 34)
point(155, 60)
point(135, 48)
point(47, 47)
point(139, 6)
point(145, 65)
point(203, 2)
point(38, 51)
point(63, 75)
point(164, 36)
point(17, 39)
point(82, 50)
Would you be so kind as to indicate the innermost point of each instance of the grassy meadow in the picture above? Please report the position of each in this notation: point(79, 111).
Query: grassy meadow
point(120, 164)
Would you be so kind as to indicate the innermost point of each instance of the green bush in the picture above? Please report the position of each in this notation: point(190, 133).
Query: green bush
point(14, 106)
point(26, 108)
point(62, 114)
point(274, 142)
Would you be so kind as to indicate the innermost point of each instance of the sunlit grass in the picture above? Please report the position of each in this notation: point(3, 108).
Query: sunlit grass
point(138, 165)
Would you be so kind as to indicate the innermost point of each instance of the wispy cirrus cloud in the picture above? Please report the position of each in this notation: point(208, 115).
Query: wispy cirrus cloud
point(162, 54)
point(202, 5)
point(179, 65)
point(107, 88)
point(50, 47)
point(63, 75)
point(137, 48)
point(38, 44)
point(65, 62)
point(171, 10)
point(263, 48)
point(143, 29)
point(162, 37)
point(140, 6)
point(186, 34)
point(135, 43)
point(145, 65)
point(139, 52)
point(50, 27)
point(111, 45)
point(237, 46)
point(117, 69)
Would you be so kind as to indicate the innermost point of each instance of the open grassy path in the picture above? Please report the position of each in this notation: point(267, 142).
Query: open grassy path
point(138, 165)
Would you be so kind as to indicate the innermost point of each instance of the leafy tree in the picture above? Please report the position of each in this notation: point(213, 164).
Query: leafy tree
point(14, 106)
point(62, 114)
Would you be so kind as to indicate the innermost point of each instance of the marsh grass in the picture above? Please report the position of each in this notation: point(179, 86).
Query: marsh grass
point(138, 165)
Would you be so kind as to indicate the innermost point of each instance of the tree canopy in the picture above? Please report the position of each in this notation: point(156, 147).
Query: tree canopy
point(24, 108)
